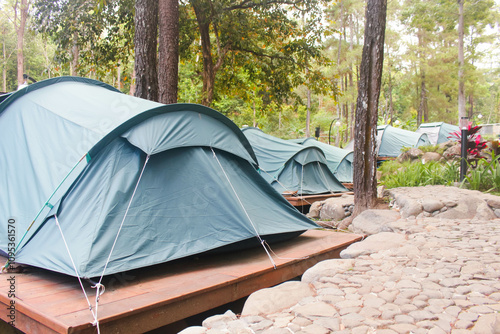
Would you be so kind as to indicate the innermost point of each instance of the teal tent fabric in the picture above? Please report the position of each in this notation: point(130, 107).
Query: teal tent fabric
point(391, 140)
point(438, 132)
point(289, 166)
point(3, 97)
point(339, 160)
point(76, 149)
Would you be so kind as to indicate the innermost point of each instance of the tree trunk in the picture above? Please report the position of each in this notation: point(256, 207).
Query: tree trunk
point(365, 154)
point(119, 77)
point(168, 51)
point(254, 122)
point(201, 10)
point(471, 104)
point(4, 69)
point(308, 114)
point(391, 105)
point(349, 128)
point(75, 54)
point(145, 40)
point(422, 109)
point(132, 84)
point(20, 28)
point(461, 83)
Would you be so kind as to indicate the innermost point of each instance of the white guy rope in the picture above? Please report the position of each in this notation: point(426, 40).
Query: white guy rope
point(275, 179)
point(324, 176)
point(302, 184)
point(281, 184)
point(94, 315)
point(244, 210)
point(123, 220)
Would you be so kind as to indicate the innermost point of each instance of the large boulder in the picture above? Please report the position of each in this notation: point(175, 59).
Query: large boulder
point(373, 244)
point(408, 206)
point(445, 202)
point(315, 209)
point(335, 208)
point(374, 221)
point(327, 268)
point(411, 155)
point(273, 300)
point(454, 152)
point(431, 156)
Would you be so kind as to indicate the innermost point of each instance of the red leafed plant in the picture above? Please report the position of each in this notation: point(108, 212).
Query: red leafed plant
point(475, 143)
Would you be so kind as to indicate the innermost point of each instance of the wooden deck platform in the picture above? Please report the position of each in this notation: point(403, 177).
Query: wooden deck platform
point(142, 300)
point(310, 199)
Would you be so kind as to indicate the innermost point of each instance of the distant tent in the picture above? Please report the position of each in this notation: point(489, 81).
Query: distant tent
point(391, 140)
point(289, 166)
point(339, 160)
point(81, 160)
point(437, 132)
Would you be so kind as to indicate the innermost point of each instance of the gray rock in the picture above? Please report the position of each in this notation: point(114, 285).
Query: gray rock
point(373, 244)
point(493, 201)
point(315, 209)
point(487, 324)
point(194, 330)
point(332, 212)
point(333, 208)
point(408, 206)
point(314, 329)
point(316, 309)
point(333, 324)
point(453, 152)
point(431, 204)
point(374, 221)
point(430, 156)
point(466, 209)
point(219, 320)
point(262, 325)
point(484, 212)
point(411, 155)
point(327, 268)
point(274, 331)
point(275, 299)
point(351, 320)
point(345, 223)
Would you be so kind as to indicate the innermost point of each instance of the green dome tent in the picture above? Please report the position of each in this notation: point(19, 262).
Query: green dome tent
point(437, 132)
point(292, 167)
point(339, 160)
point(119, 182)
point(391, 140)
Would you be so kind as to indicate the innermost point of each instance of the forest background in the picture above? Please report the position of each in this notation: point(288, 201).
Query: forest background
point(287, 67)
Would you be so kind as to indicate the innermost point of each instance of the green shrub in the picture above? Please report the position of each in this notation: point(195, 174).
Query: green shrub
point(482, 175)
point(409, 174)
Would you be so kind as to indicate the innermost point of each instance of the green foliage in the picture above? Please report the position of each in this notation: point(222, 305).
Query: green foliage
point(408, 174)
point(433, 148)
point(275, 52)
point(484, 175)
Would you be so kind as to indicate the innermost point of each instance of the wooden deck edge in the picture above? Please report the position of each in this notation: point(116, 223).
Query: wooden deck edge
point(310, 199)
point(157, 315)
point(30, 317)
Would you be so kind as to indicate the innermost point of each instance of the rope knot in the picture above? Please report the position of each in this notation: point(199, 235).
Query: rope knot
point(99, 292)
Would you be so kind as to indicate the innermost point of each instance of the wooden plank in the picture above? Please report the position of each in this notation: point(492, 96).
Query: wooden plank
point(379, 158)
point(156, 296)
point(349, 186)
point(310, 199)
